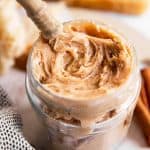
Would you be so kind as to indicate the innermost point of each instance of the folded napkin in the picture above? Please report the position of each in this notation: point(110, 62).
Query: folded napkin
point(11, 136)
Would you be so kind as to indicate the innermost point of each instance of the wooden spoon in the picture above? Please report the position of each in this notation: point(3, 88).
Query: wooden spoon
point(37, 10)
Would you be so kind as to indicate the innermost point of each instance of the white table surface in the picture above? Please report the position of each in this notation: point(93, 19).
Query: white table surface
point(13, 81)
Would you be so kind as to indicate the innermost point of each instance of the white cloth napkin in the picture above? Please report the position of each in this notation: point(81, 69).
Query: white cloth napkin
point(11, 136)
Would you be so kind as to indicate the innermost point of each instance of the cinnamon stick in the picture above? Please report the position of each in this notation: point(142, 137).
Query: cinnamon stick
point(148, 140)
point(143, 95)
point(142, 110)
point(146, 77)
point(143, 115)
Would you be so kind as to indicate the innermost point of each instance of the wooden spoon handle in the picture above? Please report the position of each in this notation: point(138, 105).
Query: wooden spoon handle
point(38, 12)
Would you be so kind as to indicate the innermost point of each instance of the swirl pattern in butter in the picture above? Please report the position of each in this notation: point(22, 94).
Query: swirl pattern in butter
point(83, 62)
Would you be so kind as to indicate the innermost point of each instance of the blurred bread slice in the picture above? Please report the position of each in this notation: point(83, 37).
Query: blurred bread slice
point(16, 33)
point(12, 39)
point(123, 6)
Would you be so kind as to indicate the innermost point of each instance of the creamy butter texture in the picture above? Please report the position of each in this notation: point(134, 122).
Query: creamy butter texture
point(83, 62)
point(85, 83)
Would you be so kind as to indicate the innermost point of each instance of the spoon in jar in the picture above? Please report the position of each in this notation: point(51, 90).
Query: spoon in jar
point(37, 10)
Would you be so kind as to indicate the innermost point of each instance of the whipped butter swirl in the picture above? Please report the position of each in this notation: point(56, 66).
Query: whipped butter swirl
point(83, 62)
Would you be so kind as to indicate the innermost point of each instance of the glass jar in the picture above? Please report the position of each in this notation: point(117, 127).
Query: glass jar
point(115, 110)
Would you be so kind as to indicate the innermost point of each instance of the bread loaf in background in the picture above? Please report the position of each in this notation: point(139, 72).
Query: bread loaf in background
point(17, 33)
point(134, 7)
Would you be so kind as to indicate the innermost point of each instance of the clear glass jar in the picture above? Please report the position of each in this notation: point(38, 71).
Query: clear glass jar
point(115, 108)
